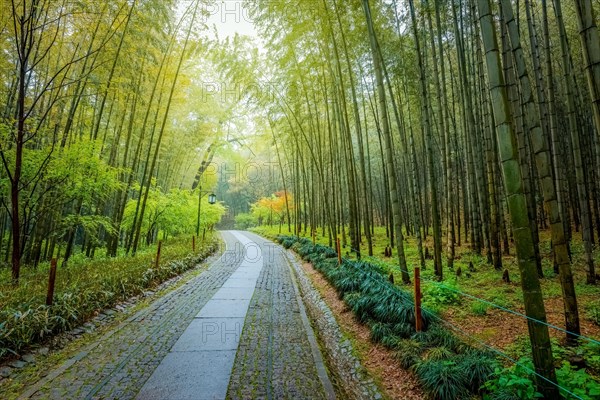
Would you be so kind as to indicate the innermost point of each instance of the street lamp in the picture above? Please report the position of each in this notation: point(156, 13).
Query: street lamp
point(212, 199)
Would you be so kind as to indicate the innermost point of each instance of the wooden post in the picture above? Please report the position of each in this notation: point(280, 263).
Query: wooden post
point(418, 314)
point(51, 282)
point(339, 251)
point(158, 253)
point(194, 243)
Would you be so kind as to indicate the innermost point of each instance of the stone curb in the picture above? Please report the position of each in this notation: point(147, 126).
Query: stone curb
point(352, 377)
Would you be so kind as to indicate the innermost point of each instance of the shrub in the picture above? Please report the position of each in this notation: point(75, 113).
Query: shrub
point(479, 367)
point(380, 331)
point(403, 330)
point(514, 382)
point(578, 382)
point(438, 353)
point(245, 221)
point(591, 354)
point(443, 379)
point(295, 246)
point(391, 341)
point(345, 283)
point(351, 299)
point(408, 353)
point(517, 382)
point(438, 336)
point(288, 242)
point(305, 249)
point(437, 294)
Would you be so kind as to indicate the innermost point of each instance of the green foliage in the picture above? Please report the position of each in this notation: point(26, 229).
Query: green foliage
point(438, 336)
point(443, 379)
point(436, 294)
point(447, 367)
point(479, 366)
point(288, 243)
point(479, 308)
point(379, 331)
point(175, 212)
point(518, 382)
point(82, 173)
point(391, 341)
point(82, 289)
point(577, 381)
point(346, 283)
point(591, 354)
point(593, 312)
point(512, 383)
point(438, 353)
point(409, 353)
point(244, 221)
point(351, 299)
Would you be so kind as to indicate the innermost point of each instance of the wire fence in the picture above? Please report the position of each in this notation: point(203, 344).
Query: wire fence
point(499, 352)
point(482, 343)
point(489, 303)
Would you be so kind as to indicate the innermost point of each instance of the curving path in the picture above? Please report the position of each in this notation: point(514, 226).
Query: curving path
point(236, 331)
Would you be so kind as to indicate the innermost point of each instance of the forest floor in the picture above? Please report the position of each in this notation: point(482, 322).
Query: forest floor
point(475, 303)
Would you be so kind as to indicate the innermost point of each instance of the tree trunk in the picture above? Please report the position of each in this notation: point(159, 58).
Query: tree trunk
point(393, 182)
point(532, 293)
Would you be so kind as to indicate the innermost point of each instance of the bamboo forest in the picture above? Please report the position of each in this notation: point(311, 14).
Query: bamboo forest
point(300, 199)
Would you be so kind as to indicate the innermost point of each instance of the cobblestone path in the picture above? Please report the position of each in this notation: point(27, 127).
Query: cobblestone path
point(276, 358)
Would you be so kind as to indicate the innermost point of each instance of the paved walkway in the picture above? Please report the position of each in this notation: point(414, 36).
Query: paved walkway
point(237, 331)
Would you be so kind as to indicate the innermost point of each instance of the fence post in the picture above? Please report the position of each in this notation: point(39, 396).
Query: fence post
point(158, 253)
point(418, 314)
point(51, 282)
point(339, 251)
point(194, 243)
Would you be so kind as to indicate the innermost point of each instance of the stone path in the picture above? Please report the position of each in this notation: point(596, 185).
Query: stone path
point(236, 331)
point(276, 359)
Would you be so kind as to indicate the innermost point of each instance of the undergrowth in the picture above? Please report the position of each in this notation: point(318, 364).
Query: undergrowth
point(482, 282)
point(83, 288)
point(446, 367)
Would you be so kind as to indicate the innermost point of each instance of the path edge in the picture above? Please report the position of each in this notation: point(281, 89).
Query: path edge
point(170, 287)
point(352, 378)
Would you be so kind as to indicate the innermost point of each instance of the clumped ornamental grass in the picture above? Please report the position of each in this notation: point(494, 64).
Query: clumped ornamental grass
point(447, 368)
point(82, 288)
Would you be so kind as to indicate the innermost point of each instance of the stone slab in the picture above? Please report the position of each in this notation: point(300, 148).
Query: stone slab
point(224, 309)
point(251, 274)
point(240, 283)
point(196, 375)
point(210, 334)
point(234, 293)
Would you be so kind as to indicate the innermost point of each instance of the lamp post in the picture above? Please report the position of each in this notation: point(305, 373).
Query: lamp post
point(212, 199)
